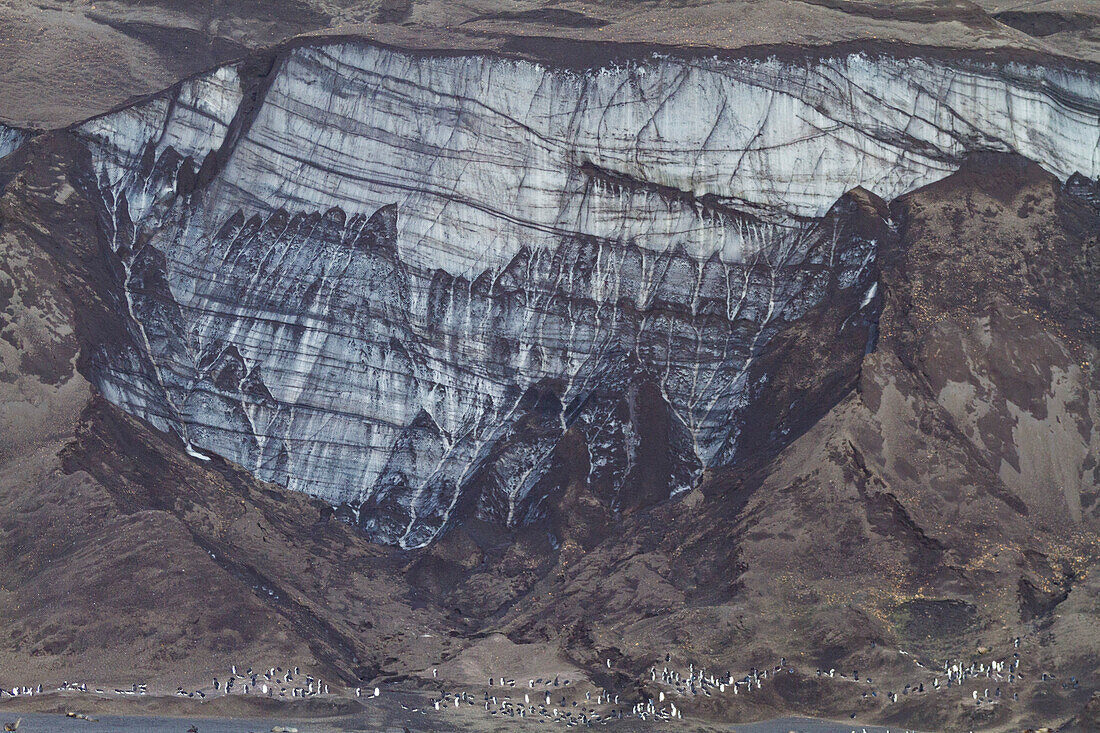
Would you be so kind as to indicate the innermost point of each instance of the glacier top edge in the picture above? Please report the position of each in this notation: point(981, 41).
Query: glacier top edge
point(467, 143)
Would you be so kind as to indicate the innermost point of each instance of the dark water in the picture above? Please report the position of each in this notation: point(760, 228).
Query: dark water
point(805, 725)
point(39, 723)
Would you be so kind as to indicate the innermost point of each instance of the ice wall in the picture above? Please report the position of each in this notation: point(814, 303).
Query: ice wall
point(10, 139)
point(407, 276)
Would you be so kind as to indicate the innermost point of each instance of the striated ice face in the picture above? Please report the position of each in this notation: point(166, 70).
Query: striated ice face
point(420, 285)
point(10, 139)
point(192, 122)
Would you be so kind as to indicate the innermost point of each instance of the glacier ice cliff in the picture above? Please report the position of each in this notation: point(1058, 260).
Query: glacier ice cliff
point(429, 286)
point(10, 139)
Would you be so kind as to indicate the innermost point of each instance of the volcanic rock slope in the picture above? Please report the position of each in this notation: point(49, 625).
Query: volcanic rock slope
point(395, 281)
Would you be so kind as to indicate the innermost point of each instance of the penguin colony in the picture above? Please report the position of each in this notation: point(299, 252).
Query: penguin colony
point(557, 700)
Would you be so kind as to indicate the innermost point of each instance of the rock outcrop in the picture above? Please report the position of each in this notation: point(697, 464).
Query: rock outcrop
point(409, 284)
